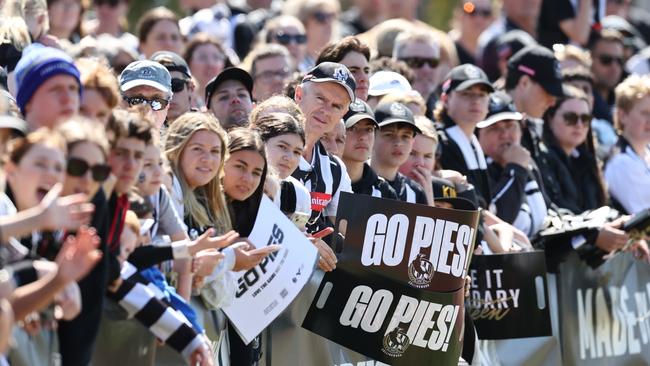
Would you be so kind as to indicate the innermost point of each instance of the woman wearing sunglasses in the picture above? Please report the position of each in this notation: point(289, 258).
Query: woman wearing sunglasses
point(574, 180)
point(35, 165)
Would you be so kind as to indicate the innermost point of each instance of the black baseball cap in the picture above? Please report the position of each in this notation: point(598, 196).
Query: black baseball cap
point(394, 112)
point(540, 64)
point(172, 62)
point(359, 110)
point(464, 77)
point(511, 42)
point(332, 72)
point(445, 191)
point(231, 73)
point(501, 108)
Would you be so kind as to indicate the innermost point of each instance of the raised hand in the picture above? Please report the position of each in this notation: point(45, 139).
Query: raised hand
point(247, 257)
point(207, 241)
point(67, 213)
point(78, 255)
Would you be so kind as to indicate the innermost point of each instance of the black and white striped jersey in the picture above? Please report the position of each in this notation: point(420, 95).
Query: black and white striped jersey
point(325, 178)
point(164, 322)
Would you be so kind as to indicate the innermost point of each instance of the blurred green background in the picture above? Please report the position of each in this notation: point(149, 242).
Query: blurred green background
point(436, 12)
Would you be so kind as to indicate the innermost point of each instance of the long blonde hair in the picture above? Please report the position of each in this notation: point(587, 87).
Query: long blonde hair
point(179, 134)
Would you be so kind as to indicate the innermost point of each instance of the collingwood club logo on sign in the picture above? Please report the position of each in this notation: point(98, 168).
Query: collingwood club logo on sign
point(420, 272)
point(396, 342)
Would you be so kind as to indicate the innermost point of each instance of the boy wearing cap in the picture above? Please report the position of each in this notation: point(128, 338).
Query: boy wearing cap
point(229, 97)
point(48, 88)
point(463, 104)
point(517, 197)
point(182, 86)
point(147, 82)
point(360, 127)
point(393, 144)
point(324, 97)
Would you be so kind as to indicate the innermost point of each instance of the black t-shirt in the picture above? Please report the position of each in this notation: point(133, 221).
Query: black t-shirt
point(407, 190)
point(373, 185)
point(551, 14)
point(464, 56)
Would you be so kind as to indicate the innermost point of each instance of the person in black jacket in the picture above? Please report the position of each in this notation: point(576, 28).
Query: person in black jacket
point(394, 142)
point(574, 180)
point(463, 104)
point(360, 127)
point(516, 194)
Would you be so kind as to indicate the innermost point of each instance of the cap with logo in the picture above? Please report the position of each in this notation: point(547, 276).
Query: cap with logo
point(231, 73)
point(388, 82)
point(172, 62)
point(332, 72)
point(147, 73)
point(359, 110)
point(445, 191)
point(394, 112)
point(540, 64)
point(463, 77)
point(501, 108)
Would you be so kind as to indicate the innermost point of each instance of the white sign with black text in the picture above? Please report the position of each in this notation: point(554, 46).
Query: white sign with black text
point(267, 289)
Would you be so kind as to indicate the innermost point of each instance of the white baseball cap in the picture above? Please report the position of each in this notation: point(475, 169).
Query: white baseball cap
point(388, 82)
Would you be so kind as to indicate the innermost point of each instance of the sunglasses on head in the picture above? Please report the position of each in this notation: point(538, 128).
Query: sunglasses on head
point(572, 118)
point(285, 39)
point(418, 62)
point(178, 85)
point(323, 17)
point(78, 167)
point(155, 103)
point(609, 59)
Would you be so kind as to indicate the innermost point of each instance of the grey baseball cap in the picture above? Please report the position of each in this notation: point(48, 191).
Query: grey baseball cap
point(148, 73)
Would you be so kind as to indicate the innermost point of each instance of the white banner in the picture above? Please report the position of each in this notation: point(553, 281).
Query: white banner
point(267, 289)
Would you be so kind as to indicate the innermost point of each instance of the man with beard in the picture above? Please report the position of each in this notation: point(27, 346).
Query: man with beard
point(229, 97)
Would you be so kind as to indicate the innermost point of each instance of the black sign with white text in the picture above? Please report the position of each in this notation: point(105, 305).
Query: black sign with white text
point(397, 292)
point(508, 297)
point(425, 247)
point(388, 321)
point(605, 312)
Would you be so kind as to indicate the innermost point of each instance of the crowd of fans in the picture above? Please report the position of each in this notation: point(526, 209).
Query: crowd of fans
point(133, 165)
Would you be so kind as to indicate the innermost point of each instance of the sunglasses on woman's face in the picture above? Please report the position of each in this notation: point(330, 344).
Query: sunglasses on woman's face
point(285, 39)
point(78, 167)
point(610, 59)
point(572, 118)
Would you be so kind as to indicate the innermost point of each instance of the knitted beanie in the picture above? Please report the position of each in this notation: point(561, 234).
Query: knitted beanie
point(37, 65)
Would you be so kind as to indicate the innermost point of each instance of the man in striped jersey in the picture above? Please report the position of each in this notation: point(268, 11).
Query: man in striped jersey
point(360, 127)
point(324, 97)
point(393, 144)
